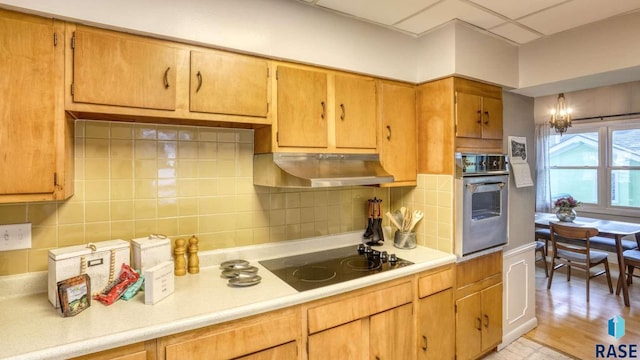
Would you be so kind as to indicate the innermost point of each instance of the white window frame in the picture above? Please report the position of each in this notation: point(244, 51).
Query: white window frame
point(604, 170)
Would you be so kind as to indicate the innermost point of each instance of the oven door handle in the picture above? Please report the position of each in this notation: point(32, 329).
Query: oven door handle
point(485, 187)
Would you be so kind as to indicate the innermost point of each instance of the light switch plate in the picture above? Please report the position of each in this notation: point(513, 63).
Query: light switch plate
point(15, 237)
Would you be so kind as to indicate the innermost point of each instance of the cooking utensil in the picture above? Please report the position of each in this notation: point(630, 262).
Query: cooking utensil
point(393, 220)
point(417, 216)
point(369, 231)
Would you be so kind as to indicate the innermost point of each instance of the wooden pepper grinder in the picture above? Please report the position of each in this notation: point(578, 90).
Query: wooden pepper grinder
point(194, 262)
point(180, 264)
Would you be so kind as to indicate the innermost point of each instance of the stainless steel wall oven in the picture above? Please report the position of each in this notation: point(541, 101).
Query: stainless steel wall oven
point(481, 197)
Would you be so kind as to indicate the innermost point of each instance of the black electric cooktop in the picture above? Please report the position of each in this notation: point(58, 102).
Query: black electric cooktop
point(328, 267)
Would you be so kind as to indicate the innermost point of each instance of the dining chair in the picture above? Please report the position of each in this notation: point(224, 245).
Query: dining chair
point(632, 261)
point(541, 248)
point(579, 256)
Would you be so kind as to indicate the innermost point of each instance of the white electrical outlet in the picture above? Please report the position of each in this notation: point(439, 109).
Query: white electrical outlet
point(15, 237)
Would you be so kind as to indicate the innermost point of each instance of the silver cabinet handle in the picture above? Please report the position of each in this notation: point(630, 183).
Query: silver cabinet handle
point(166, 78)
point(199, 76)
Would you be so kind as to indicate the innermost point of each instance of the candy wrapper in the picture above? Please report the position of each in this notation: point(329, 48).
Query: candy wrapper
point(133, 289)
point(114, 290)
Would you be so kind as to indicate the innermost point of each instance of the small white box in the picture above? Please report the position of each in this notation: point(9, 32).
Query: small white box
point(150, 251)
point(159, 282)
point(98, 260)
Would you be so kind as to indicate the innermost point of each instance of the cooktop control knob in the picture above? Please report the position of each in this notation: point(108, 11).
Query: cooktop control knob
point(368, 250)
point(392, 259)
point(384, 256)
point(360, 248)
point(375, 253)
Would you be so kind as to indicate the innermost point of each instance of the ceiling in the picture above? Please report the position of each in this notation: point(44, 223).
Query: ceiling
point(519, 21)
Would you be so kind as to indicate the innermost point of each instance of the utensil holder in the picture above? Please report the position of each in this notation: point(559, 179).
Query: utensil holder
point(404, 240)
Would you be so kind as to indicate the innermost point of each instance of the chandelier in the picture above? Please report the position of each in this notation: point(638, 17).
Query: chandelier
point(561, 116)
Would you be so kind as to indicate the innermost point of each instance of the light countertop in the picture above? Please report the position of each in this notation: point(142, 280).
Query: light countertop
point(33, 329)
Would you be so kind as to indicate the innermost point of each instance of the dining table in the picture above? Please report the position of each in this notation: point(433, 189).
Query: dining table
point(606, 228)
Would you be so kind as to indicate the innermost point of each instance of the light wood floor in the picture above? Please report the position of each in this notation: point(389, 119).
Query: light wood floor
point(568, 323)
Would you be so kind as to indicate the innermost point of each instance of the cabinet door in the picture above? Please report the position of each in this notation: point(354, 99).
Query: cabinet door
point(224, 83)
point(28, 108)
point(491, 118)
point(398, 142)
point(468, 115)
point(436, 332)
point(302, 108)
point(355, 112)
point(491, 316)
point(468, 327)
point(114, 69)
point(391, 334)
point(340, 342)
point(285, 351)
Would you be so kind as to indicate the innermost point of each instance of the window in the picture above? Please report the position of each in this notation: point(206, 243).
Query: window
point(598, 164)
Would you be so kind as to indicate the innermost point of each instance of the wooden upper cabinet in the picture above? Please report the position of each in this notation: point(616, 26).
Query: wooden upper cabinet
point(492, 118)
point(397, 109)
point(478, 110)
point(468, 115)
point(123, 70)
point(355, 112)
point(32, 123)
point(302, 108)
point(225, 83)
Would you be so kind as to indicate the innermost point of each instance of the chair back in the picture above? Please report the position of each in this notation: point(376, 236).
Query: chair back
point(571, 232)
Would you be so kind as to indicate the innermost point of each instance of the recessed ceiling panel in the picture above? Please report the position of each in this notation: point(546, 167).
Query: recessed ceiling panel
point(514, 33)
point(380, 11)
point(446, 11)
point(576, 13)
point(514, 9)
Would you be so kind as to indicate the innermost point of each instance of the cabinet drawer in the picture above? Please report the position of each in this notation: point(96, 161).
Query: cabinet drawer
point(435, 282)
point(474, 270)
point(235, 341)
point(343, 311)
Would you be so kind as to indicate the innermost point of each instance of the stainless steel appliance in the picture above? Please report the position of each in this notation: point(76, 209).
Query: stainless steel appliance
point(481, 194)
point(314, 270)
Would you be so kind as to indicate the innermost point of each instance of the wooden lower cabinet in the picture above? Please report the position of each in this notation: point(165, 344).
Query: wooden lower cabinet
point(260, 337)
point(435, 317)
point(374, 323)
point(478, 306)
point(391, 334)
point(138, 351)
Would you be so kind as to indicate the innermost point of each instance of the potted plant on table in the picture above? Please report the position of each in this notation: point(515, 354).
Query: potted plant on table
point(564, 207)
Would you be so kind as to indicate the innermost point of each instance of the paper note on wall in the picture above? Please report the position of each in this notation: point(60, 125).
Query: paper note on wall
point(518, 161)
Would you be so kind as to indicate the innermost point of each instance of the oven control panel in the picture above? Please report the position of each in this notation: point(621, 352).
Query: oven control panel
point(481, 164)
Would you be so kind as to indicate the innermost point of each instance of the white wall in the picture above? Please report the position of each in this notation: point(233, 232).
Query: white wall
point(598, 54)
point(483, 56)
point(436, 53)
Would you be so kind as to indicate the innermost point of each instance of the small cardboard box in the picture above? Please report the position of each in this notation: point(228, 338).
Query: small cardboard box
point(99, 260)
point(159, 282)
point(150, 251)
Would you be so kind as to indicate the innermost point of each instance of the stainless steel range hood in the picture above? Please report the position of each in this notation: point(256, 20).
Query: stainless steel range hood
point(299, 170)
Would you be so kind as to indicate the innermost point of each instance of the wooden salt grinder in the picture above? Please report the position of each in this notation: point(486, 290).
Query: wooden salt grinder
point(180, 264)
point(194, 262)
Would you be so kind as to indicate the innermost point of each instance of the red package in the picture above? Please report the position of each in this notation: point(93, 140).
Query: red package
point(114, 291)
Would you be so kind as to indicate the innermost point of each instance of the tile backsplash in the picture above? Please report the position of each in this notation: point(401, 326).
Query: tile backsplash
point(132, 180)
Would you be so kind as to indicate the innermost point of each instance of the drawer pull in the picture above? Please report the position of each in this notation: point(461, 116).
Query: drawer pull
point(388, 132)
point(486, 320)
point(479, 326)
point(166, 78)
point(323, 109)
point(199, 76)
point(344, 113)
point(424, 343)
